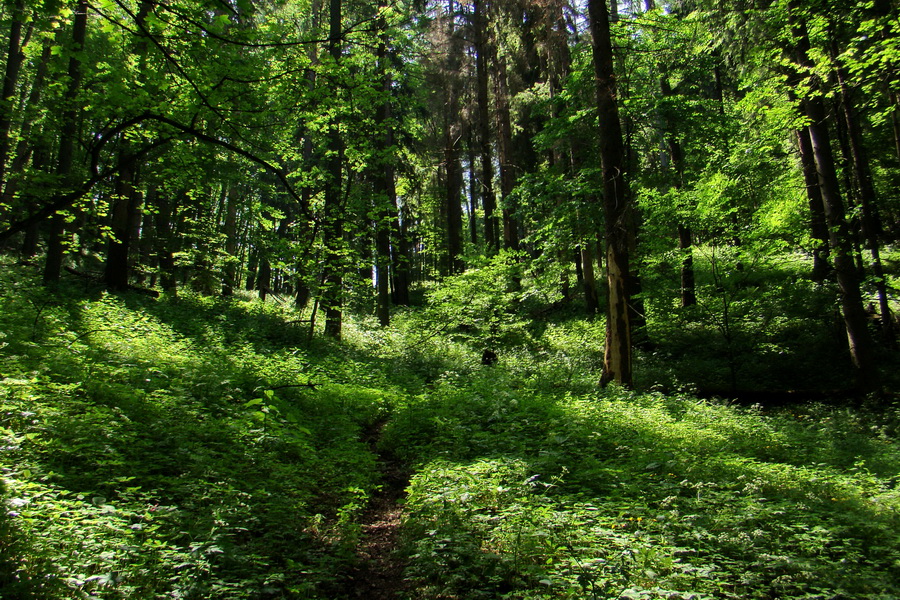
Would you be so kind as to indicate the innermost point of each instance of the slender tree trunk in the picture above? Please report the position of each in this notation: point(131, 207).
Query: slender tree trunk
point(452, 148)
point(332, 293)
point(482, 53)
point(869, 221)
point(231, 241)
point(453, 197)
point(14, 58)
point(816, 207)
point(473, 191)
point(842, 249)
point(838, 231)
point(385, 192)
point(148, 262)
point(401, 263)
point(507, 166)
point(263, 275)
point(68, 134)
point(688, 283)
point(26, 146)
point(116, 272)
point(617, 364)
point(685, 236)
point(165, 241)
point(895, 122)
point(589, 282)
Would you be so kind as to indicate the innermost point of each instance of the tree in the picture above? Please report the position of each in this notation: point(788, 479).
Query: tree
point(617, 363)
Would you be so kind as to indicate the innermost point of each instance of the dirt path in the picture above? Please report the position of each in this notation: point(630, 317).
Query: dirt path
point(379, 573)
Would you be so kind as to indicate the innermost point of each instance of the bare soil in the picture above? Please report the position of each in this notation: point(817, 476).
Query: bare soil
point(378, 574)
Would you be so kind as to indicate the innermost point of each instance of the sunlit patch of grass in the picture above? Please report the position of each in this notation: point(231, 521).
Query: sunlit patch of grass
point(175, 447)
point(535, 496)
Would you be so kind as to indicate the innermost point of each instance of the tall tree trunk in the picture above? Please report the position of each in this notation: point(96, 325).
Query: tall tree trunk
point(482, 54)
point(869, 221)
point(231, 241)
point(385, 192)
point(26, 147)
point(303, 229)
point(685, 236)
point(507, 163)
point(589, 282)
point(839, 233)
point(452, 147)
point(818, 225)
point(617, 363)
point(473, 190)
point(895, 122)
point(124, 205)
point(401, 262)
point(165, 241)
point(332, 292)
point(14, 58)
point(842, 249)
point(68, 134)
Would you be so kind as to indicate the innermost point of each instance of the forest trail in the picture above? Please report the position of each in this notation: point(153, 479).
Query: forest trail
point(378, 574)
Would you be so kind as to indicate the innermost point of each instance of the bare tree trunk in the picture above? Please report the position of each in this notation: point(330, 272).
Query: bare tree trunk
point(385, 192)
point(124, 200)
point(68, 133)
point(165, 241)
point(685, 236)
point(842, 249)
point(617, 364)
point(482, 52)
point(14, 58)
point(816, 207)
point(870, 225)
point(589, 282)
point(401, 263)
point(26, 148)
point(332, 292)
point(231, 241)
point(473, 191)
point(838, 231)
point(452, 148)
point(507, 166)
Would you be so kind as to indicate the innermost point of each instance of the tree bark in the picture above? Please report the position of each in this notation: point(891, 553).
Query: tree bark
point(68, 134)
point(839, 233)
point(332, 292)
point(482, 53)
point(617, 363)
point(14, 58)
point(818, 225)
point(589, 282)
point(452, 148)
point(124, 205)
point(231, 241)
point(507, 163)
point(870, 225)
point(384, 188)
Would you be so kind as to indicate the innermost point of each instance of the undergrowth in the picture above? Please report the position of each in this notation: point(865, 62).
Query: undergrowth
point(177, 448)
point(194, 447)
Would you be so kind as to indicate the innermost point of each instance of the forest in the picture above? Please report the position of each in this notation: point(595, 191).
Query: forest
point(450, 299)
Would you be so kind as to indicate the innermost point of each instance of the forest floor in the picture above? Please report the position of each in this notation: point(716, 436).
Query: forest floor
point(378, 574)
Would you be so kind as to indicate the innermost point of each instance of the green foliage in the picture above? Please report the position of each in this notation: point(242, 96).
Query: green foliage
point(526, 495)
point(480, 305)
point(207, 448)
point(175, 447)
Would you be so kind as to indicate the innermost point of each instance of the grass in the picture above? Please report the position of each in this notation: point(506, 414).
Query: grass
point(194, 447)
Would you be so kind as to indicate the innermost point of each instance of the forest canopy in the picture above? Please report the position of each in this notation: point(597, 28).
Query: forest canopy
point(607, 290)
point(347, 154)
